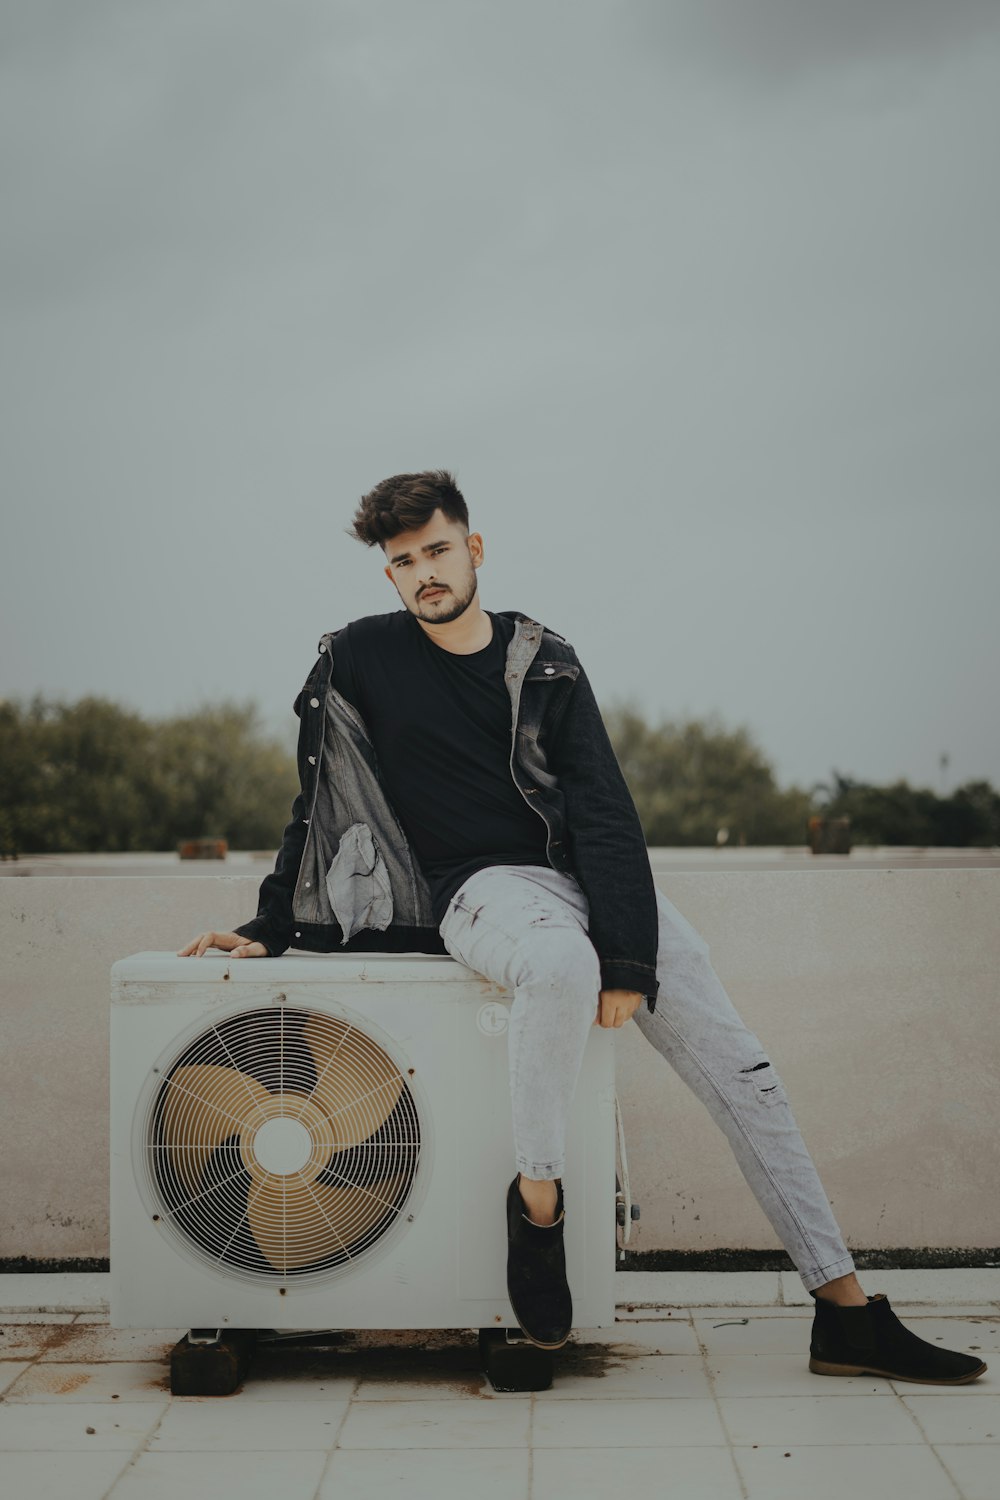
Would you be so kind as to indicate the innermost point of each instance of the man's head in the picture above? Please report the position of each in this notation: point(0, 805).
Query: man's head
point(421, 522)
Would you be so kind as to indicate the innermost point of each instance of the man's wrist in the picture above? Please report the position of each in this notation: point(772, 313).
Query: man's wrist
point(627, 974)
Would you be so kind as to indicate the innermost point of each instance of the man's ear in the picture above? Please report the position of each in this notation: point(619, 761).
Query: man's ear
point(477, 550)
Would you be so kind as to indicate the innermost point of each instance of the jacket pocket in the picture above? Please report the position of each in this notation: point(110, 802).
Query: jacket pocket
point(357, 883)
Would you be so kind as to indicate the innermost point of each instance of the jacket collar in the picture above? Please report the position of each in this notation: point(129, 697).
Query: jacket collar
point(521, 653)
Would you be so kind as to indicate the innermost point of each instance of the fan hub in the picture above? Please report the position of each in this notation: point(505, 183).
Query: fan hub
point(282, 1146)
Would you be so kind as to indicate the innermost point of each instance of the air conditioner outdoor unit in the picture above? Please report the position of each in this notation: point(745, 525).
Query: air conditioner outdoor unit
point(325, 1142)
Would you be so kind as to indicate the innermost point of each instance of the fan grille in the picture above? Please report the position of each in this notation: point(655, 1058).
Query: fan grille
point(282, 1144)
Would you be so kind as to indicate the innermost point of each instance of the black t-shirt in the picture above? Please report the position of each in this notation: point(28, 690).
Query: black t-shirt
point(441, 727)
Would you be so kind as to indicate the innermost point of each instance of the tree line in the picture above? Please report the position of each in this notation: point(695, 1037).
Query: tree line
point(92, 776)
point(690, 780)
point(903, 814)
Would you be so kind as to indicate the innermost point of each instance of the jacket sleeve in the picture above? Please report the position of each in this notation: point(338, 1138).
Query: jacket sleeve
point(606, 846)
point(274, 925)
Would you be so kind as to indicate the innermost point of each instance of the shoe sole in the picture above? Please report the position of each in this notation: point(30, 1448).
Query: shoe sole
point(531, 1337)
point(820, 1367)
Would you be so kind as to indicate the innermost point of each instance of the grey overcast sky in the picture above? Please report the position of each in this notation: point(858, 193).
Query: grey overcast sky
point(699, 298)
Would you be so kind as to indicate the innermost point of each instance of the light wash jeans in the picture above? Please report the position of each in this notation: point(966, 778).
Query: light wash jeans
point(525, 927)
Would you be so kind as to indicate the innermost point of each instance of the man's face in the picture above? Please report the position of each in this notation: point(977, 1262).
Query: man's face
point(434, 568)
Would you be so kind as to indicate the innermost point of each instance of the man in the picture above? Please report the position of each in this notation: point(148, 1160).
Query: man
point(460, 794)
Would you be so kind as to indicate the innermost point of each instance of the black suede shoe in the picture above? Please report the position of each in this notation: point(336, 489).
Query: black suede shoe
point(872, 1341)
point(536, 1273)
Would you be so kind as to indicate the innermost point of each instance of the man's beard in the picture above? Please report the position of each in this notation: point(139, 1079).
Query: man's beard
point(440, 612)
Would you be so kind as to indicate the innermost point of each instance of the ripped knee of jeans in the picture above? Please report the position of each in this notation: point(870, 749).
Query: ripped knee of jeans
point(764, 1079)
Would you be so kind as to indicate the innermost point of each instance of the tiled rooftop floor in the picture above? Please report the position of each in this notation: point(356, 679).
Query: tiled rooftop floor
point(701, 1390)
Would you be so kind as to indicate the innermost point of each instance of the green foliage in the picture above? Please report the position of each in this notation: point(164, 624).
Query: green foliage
point(901, 814)
point(91, 776)
point(691, 780)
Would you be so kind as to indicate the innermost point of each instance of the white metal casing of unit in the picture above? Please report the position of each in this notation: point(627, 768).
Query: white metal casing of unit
point(443, 1263)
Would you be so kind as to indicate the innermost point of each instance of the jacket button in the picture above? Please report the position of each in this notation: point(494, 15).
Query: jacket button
point(312, 760)
point(322, 648)
point(308, 884)
point(298, 934)
point(314, 703)
point(550, 671)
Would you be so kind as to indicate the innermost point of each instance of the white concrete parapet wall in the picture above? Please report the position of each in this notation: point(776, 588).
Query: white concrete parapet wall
point(875, 993)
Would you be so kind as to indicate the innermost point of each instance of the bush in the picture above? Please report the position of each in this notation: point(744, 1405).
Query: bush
point(92, 776)
point(690, 780)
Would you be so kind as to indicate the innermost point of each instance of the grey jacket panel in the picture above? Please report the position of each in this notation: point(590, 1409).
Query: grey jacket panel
point(348, 795)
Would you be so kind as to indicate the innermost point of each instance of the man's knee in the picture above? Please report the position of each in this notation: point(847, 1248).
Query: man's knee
point(562, 959)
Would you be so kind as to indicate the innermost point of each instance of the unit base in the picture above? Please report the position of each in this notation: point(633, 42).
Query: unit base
point(511, 1363)
point(212, 1369)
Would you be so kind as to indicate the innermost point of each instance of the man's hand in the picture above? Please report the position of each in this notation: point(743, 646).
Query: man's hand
point(229, 942)
point(615, 1007)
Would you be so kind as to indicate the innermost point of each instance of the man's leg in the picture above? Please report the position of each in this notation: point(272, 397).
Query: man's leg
point(525, 927)
point(697, 1029)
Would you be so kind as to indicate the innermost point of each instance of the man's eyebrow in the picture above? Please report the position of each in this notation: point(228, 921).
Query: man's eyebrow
point(401, 556)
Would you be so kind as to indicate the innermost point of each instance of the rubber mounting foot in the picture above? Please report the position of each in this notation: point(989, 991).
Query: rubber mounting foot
point(212, 1369)
point(515, 1365)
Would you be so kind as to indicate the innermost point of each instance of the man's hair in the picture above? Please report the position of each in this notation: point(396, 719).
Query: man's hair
point(405, 503)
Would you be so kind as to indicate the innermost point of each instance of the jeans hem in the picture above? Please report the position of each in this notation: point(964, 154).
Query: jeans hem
point(542, 1171)
point(822, 1274)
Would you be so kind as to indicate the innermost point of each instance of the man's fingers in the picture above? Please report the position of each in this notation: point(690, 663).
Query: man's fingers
point(615, 1007)
point(198, 945)
point(235, 946)
point(192, 948)
point(611, 1017)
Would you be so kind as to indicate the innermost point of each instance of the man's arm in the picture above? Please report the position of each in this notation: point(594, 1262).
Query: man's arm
point(606, 845)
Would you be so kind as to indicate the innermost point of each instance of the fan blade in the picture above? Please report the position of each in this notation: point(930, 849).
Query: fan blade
point(205, 1104)
point(358, 1086)
point(296, 1223)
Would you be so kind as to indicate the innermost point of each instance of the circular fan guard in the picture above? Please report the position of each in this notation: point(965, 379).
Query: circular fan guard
point(282, 1144)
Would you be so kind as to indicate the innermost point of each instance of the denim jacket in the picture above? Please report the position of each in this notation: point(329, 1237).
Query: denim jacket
point(346, 877)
